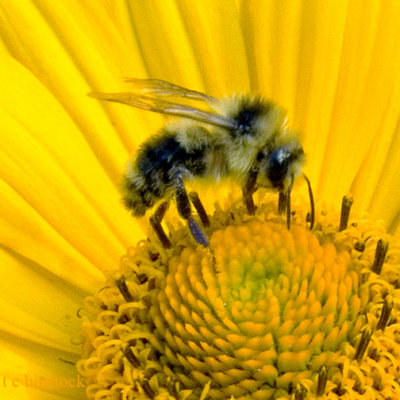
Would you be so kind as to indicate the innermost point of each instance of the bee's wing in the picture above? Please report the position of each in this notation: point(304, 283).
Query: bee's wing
point(166, 107)
point(159, 88)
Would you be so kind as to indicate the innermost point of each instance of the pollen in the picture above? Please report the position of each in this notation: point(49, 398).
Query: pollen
point(263, 312)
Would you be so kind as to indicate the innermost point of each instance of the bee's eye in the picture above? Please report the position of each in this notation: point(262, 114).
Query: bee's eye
point(277, 166)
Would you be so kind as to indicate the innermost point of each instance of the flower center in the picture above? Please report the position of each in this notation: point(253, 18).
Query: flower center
point(261, 313)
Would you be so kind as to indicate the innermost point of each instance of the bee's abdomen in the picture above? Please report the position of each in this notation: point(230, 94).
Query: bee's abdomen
point(155, 168)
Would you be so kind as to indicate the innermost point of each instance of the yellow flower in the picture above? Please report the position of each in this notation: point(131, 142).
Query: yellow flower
point(334, 65)
point(262, 313)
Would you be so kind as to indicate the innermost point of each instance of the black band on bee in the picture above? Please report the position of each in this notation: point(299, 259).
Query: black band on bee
point(248, 115)
point(163, 154)
point(277, 167)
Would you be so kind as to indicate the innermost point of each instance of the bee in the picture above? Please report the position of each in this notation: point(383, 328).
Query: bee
point(244, 137)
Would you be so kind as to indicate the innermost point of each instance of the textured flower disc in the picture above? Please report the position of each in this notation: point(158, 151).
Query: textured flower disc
point(263, 312)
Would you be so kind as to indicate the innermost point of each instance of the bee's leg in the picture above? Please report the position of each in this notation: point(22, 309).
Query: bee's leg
point(248, 189)
point(282, 203)
point(155, 221)
point(198, 205)
point(288, 205)
point(185, 211)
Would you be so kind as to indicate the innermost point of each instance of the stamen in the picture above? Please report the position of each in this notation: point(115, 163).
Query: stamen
point(386, 312)
point(198, 205)
point(358, 387)
point(282, 203)
point(172, 387)
point(322, 379)
point(312, 205)
point(339, 389)
point(380, 254)
point(123, 288)
point(288, 307)
point(128, 353)
point(363, 344)
point(347, 202)
point(148, 390)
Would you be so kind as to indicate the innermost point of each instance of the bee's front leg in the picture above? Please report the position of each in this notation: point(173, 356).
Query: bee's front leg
point(248, 189)
point(185, 210)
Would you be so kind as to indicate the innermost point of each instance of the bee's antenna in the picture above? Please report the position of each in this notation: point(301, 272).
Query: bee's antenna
point(312, 206)
point(288, 210)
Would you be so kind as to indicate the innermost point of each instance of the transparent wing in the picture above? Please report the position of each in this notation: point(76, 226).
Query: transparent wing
point(159, 88)
point(166, 107)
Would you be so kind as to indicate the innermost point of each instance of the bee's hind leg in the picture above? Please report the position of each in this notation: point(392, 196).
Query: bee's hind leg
point(155, 221)
point(248, 189)
point(185, 211)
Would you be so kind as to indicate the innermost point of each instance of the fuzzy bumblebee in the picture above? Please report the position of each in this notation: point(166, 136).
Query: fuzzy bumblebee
point(242, 137)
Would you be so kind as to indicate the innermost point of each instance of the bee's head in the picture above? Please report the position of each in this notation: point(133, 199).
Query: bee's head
point(282, 165)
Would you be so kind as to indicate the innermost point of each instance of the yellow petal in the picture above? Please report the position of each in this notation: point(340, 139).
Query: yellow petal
point(30, 371)
point(38, 306)
point(369, 68)
point(58, 178)
point(215, 34)
point(272, 33)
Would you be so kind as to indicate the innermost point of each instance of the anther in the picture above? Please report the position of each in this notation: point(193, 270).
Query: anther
point(172, 387)
point(130, 356)
point(380, 254)
point(142, 278)
point(198, 205)
point(123, 288)
point(123, 319)
point(339, 389)
point(300, 392)
point(322, 380)
point(358, 387)
point(150, 372)
point(148, 390)
point(347, 202)
point(359, 246)
point(386, 312)
point(363, 344)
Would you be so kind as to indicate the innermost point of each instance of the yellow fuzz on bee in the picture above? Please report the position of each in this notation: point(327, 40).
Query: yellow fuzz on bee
point(262, 313)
